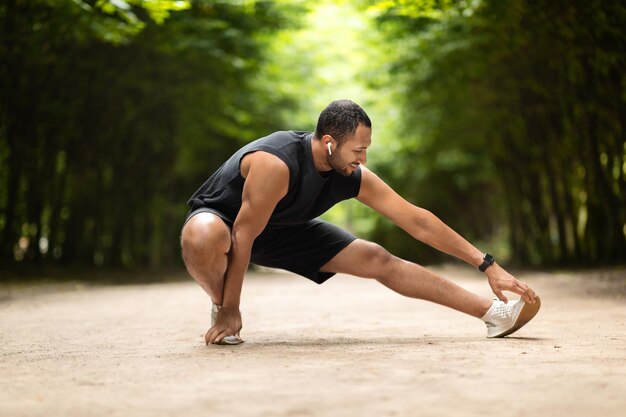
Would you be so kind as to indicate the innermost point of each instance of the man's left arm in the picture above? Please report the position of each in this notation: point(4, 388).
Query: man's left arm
point(428, 228)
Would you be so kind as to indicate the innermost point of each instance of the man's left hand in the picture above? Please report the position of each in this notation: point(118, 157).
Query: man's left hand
point(500, 280)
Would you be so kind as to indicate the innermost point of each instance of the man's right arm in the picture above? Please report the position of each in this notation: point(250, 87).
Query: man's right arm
point(266, 183)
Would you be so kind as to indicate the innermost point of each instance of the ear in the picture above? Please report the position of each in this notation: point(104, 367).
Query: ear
point(328, 138)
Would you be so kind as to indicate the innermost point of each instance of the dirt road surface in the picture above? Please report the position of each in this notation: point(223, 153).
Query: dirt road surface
point(347, 348)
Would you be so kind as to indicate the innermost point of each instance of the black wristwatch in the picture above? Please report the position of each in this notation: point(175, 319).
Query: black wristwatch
point(487, 261)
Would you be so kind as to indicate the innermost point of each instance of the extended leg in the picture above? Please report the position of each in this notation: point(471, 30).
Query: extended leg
point(369, 260)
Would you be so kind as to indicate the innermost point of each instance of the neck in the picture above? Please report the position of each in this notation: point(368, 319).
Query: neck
point(319, 155)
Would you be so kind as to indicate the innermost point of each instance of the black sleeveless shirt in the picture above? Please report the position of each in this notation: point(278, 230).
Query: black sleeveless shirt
point(310, 192)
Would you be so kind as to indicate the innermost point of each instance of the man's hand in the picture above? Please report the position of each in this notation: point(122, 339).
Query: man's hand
point(500, 280)
point(227, 323)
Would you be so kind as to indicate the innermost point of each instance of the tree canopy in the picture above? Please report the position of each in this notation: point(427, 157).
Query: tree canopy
point(504, 118)
point(514, 118)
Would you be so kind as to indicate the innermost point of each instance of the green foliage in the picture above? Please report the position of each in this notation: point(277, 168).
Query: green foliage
point(516, 109)
point(504, 118)
point(106, 123)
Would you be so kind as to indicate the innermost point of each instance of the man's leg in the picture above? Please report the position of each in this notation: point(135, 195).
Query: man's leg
point(205, 242)
point(369, 260)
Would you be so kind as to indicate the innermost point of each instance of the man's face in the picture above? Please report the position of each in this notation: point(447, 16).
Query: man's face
point(347, 157)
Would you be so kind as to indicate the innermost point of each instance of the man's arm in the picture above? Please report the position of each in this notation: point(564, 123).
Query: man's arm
point(428, 228)
point(267, 182)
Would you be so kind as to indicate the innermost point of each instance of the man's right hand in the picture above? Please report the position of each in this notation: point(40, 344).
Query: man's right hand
point(227, 323)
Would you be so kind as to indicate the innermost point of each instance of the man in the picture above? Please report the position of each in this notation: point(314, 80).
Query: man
point(261, 206)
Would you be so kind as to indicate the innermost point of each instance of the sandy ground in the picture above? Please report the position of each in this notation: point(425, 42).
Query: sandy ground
point(347, 348)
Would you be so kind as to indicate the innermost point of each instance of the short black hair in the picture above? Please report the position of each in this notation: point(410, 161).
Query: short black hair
point(340, 119)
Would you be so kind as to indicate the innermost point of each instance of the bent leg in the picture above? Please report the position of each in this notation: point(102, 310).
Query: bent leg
point(369, 260)
point(205, 242)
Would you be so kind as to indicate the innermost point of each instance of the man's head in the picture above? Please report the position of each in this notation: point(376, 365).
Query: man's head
point(345, 132)
point(340, 119)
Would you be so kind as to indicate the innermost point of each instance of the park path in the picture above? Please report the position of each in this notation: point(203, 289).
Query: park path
point(347, 348)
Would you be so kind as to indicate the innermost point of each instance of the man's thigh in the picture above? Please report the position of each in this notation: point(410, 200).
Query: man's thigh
point(301, 248)
point(363, 259)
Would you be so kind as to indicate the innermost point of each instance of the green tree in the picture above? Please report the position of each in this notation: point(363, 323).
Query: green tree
point(111, 109)
point(516, 109)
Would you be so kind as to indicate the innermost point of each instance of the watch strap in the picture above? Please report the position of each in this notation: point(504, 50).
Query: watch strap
point(488, 260)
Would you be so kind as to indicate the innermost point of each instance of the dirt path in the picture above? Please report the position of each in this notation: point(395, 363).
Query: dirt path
point(347, 348)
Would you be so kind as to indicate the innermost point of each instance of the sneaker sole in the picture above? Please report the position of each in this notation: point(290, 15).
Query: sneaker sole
point(528, 312)
point(230, 340)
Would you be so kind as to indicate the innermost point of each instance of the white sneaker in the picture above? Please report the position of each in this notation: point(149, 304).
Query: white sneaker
point(503, 319)
point(227, 340)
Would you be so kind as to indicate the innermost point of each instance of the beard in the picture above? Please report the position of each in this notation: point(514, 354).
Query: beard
point(339, 165)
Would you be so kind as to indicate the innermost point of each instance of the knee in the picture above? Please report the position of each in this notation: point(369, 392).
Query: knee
point(204, 236)
point(380, 260)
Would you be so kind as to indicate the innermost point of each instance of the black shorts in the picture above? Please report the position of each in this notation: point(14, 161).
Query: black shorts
point(302, 248)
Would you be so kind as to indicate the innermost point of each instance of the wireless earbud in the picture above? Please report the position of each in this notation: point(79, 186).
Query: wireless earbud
point(330, 152)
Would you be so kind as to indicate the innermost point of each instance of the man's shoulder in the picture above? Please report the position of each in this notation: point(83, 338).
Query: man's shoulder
point(283, 138)
point(288, 145)
point(268, 162)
